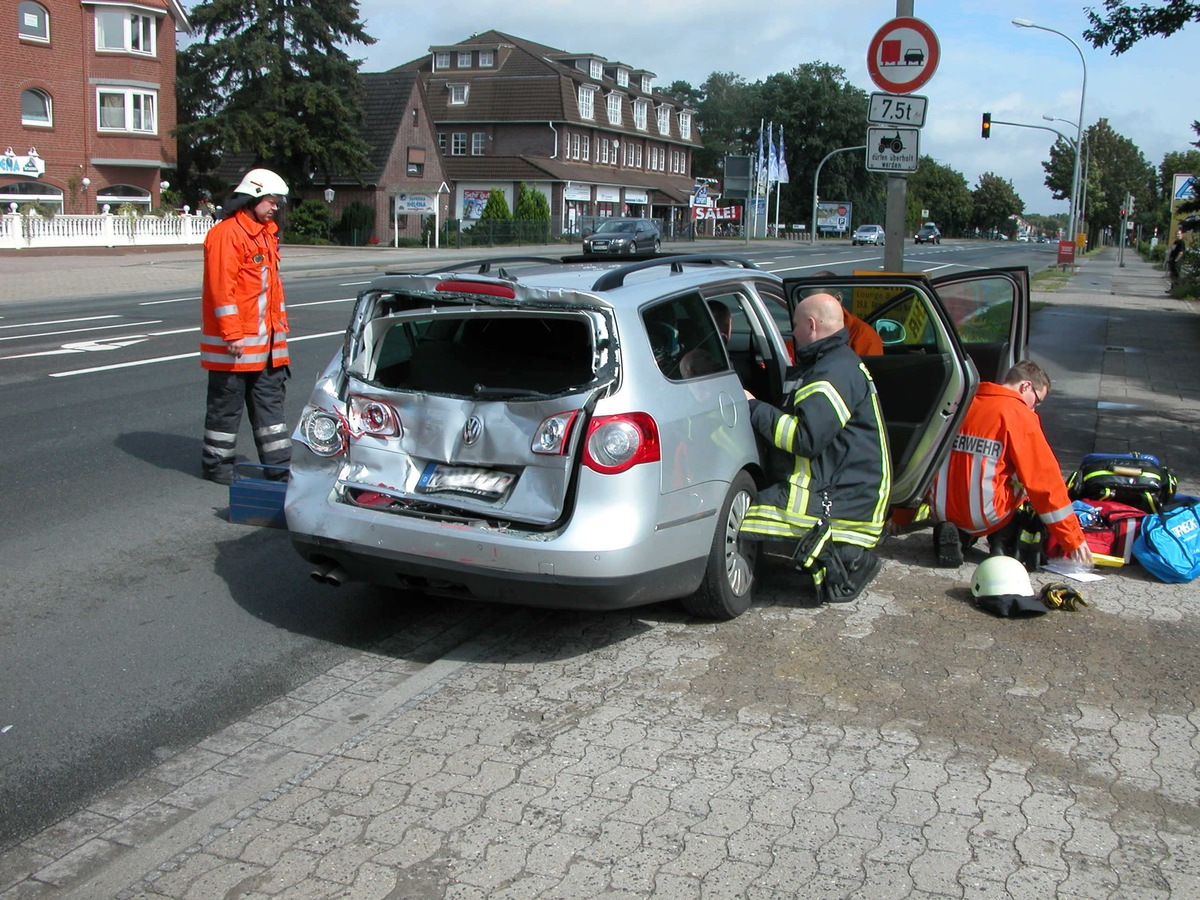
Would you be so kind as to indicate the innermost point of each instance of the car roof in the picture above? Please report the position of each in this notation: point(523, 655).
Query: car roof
point(590, 282)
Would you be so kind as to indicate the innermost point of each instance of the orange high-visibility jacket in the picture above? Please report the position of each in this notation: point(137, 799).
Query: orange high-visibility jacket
point(999, 457)
point(243, 296)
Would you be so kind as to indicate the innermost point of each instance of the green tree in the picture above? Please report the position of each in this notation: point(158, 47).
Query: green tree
point(724, 120)
point(1115, 168)
point(496, 208)
point(532, 206)
point(995, 200)
point(1123, 25)
point(944, 192)
point(270, 80)
point(685, 94)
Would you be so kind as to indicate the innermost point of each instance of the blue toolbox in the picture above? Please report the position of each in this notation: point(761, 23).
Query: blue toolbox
point(258, 500)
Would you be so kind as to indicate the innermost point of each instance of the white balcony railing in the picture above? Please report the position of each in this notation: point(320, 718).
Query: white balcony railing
point(18, 231)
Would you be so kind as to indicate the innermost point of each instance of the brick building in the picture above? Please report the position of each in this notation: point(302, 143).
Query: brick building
point(88, 106)
point(591, 134)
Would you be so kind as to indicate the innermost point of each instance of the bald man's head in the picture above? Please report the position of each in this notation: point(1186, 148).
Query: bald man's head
point(816, 317)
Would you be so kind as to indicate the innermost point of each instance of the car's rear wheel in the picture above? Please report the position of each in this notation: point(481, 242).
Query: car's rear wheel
point(728, 587)
point(657, 246)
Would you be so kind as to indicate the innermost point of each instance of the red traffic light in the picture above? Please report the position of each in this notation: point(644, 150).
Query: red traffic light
point(987, 125)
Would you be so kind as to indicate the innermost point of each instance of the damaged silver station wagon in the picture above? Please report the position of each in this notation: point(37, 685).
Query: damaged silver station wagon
point(574, 433)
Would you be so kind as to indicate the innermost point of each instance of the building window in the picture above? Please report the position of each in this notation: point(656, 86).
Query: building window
point(126, 110)
point(124, 31)
point(685, 126)
point(639, 115)
point(664, 119)
point(464, 59)
point(587, 107)
point(575, 146)
point(441, 60)
point(478, 143)
point(458, 143)
point(614, 108)
point(596, 69)
point(415, 164)
point(487, 59)
point(623, 77)
point(587, 147)
point(33, 22)
point(36, 108)
point(442, 142)
point(458, 94)
point(647, 83)
point(602, 152)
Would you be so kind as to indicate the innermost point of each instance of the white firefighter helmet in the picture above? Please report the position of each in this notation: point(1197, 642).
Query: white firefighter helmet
point(999, 575)
point(260, 183)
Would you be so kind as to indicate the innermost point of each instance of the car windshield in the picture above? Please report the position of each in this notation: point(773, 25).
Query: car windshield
point(610, 226)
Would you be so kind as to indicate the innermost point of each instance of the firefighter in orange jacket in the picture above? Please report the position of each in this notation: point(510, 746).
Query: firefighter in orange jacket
point(999, 458)
point(243, 342)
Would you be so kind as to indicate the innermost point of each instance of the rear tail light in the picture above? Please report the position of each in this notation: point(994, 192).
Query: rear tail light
point(463, 286)
point(616, 444)
point(323, 432)
point(553, 436)
point(373, 417)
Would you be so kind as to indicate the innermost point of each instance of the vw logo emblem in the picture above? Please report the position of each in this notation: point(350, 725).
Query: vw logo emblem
point(472, 430)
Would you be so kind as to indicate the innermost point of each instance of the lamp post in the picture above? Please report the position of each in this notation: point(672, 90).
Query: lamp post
point(1081, 208)
point(1026, 23)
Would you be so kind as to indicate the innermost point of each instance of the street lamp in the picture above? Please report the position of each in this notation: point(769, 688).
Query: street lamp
point(1026, 23)
point(1083, 185)
point(329, 195)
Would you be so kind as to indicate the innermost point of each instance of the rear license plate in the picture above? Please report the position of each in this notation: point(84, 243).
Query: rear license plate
point(474, 482)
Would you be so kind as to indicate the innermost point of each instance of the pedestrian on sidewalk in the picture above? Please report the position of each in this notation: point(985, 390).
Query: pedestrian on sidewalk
point(999, 458)
point(1174, 258)
point(243, 341)
point(827, 456)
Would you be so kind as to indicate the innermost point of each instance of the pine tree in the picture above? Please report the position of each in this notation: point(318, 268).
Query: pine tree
point(496, 208)
point(270, 80)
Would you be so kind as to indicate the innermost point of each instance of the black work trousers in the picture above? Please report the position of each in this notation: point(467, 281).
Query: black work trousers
point(261, 394)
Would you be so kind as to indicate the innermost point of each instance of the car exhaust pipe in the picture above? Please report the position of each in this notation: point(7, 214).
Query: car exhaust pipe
point(331, 574)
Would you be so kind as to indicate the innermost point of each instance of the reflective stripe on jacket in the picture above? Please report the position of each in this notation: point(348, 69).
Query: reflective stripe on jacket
point(827, 439)
point(999, 457)
point(243, 296)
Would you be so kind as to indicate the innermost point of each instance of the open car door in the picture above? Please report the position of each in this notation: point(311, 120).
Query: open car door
point(934, 348)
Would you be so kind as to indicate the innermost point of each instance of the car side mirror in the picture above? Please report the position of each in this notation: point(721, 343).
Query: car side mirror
point(890, 331)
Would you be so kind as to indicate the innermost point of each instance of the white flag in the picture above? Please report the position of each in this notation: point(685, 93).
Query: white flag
point(772, 159)
point(761, 172)
point(783, 170)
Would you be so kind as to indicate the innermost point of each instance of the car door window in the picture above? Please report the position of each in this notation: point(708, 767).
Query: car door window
point(990, 317)
point(684, 338)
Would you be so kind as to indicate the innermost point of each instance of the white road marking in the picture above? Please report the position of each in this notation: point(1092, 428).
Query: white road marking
point(59, 322)
point(42, 334)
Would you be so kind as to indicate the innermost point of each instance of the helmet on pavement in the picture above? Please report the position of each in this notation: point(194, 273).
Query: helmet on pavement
point(998, 575)
point(261, 183)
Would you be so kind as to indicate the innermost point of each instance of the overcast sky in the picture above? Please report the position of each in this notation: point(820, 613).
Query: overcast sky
point(987, 64)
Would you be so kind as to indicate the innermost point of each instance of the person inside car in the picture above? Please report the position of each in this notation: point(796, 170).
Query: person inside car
point(827, 455)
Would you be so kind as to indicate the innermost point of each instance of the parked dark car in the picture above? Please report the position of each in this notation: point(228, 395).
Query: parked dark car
point(618, 236)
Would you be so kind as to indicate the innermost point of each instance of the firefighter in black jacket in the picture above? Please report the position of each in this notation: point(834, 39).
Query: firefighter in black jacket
point(827, 456)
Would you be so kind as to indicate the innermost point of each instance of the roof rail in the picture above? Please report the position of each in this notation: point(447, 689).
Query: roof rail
point(484, 266)
point(616, 277)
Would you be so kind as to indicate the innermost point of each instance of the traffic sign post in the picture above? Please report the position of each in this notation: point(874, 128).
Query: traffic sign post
point(894, 150)
point(890, 109)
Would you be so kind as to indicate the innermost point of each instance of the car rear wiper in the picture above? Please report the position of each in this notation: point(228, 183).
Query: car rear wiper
point(482, 390)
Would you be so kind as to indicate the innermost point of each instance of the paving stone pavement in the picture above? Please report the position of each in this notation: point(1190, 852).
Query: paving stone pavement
point(906, 745)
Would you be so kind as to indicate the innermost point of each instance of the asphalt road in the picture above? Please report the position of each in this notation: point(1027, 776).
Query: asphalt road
point(134, 618)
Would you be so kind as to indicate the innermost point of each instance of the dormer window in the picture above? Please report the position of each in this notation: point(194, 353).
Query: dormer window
point(623, 77)
point(664, 119)
point(487, 59)
point(464, 59)
point(458, 94)
point(596, 69)
point(587, 101)
point(685, 126)
point(639, 114)
point(125, 31)
point(441, 60)
point(647, 83)
point(614, 108)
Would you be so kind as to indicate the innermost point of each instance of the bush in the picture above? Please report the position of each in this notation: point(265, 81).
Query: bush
point(308, 222)
point(357, 224)
point(1188, 284)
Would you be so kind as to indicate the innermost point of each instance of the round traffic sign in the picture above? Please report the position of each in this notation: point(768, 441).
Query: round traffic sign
point(903, 55)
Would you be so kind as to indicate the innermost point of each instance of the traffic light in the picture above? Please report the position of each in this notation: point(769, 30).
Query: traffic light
point(987, 125)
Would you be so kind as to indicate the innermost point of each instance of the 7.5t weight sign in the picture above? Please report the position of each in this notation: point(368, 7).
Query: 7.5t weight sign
point(897, 109)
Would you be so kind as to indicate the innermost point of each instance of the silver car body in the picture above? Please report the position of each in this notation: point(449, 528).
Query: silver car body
point(868, 234)
point(457, 444)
